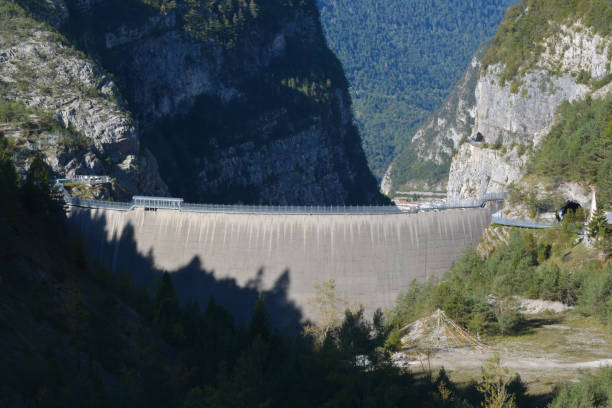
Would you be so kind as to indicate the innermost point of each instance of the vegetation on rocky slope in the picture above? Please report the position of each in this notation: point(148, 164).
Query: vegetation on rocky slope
point(579, 147)
point(479, 292)
point(402, 59)
point(519, 40)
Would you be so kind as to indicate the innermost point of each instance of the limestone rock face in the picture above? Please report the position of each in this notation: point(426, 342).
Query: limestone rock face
point(504, 117)
point(476, 171)
point(164, 74)
point(438, 138)
point(386, 183)
point(240, 122)
point(524, 115)
point(441, 134)
point(221, 140)
point(39, 70)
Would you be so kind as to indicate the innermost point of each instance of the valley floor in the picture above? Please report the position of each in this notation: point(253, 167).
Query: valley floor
point(549, 349)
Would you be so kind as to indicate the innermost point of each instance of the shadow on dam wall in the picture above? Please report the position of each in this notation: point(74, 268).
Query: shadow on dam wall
point(119, 250)
point(234, 257)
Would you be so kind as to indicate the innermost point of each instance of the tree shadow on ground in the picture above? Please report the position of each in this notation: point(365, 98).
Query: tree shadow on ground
point(530, 324)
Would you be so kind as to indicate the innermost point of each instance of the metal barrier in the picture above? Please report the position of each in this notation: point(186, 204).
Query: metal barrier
point(446, 205)
point(497, 218)
point(85, 179)
point(87, 203)
point(106, 205)
point(179, 205)
point(289, 209)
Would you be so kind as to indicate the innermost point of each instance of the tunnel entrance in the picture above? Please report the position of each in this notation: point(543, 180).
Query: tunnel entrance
point(573, 208)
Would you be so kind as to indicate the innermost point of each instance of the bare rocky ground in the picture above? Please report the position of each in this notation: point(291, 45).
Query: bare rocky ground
point(550, 348)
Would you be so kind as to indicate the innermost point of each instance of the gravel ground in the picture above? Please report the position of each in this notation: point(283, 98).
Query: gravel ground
point(552, 348)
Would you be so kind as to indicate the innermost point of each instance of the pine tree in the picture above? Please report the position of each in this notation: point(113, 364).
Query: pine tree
point(254, 9)
point(165, 308)
point(259, 321)
point(598, 224)
point(604, 181)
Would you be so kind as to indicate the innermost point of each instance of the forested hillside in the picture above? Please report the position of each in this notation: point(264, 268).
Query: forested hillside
point(567, 262)
point(402, 59)
point(578, 148)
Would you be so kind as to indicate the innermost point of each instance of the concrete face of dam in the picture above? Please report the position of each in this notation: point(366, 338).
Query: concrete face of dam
point(371, 257)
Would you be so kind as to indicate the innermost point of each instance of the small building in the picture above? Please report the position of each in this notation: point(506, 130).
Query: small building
point(145, 202)
point(609, 217)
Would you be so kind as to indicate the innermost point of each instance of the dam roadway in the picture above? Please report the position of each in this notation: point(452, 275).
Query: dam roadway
point(372, 257)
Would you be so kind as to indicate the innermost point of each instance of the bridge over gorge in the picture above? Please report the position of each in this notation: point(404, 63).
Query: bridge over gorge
point(372, 252)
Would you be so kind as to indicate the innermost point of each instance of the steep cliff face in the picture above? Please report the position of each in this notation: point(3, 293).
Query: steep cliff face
point(509, 97)
point(519, 111)
point(246, 104)
point(40, 71)
point(476, 171)
point(430, 151)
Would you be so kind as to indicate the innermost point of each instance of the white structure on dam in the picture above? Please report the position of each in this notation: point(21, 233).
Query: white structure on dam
point(372, 257)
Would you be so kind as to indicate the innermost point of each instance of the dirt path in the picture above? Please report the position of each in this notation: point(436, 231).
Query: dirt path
point(550, 349)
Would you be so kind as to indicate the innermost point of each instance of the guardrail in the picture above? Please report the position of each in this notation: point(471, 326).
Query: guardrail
point(497, 218)
point(289, 209)
point(85, 179)
point(87, 203)
point(465, 203)
point(266, 209)
point(101, 204)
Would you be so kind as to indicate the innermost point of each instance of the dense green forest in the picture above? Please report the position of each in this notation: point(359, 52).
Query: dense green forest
point(518, 43)
point(579, 146)
point(402, 59)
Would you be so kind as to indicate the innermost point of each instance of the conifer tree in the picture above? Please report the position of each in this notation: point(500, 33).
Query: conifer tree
point(254, 9)
point(259, 321)
point(165, 308)
point(598, 224)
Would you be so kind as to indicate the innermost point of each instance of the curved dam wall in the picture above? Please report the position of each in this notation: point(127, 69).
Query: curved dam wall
point(372, 257)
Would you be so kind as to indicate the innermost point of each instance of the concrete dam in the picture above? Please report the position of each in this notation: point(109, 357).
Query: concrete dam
point(372, 257)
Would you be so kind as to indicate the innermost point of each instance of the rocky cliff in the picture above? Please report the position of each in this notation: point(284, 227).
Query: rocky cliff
point(237, 102)
point(439, 137)
point(509, 96)
point(575, 61)
point(42, 74)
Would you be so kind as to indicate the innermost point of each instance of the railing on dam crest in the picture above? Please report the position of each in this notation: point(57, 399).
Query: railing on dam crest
point(497, 218)
point(154, 203)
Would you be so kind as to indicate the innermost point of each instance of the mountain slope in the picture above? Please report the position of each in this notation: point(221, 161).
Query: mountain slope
point(402, 60)
point(71, 108)
point(521, 87)
point(509, 96)
point(238, 101)
point(424, 164)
